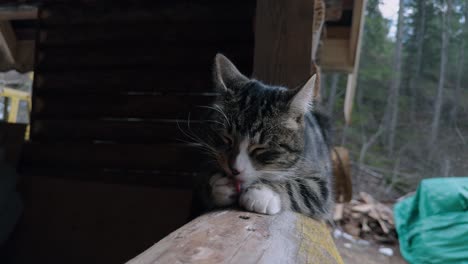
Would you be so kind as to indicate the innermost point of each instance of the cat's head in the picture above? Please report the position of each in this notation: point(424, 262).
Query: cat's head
point(259, 129)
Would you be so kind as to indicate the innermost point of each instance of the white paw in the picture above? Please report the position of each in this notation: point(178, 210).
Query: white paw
point(223, 190)
point(261, 199)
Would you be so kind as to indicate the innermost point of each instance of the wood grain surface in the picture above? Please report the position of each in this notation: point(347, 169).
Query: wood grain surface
point(242, 237)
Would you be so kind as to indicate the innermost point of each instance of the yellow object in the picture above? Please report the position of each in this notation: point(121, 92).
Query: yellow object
point(15, 97)
point(14, 108)
point(317, 234)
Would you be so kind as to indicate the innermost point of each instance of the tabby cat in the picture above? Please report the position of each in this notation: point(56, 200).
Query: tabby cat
point(270, 146)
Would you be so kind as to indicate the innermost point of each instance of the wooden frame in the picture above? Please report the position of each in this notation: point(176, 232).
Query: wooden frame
point(340, 49)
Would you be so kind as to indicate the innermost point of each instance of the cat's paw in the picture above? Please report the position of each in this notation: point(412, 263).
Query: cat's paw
point(223, 190)
point(261, 199)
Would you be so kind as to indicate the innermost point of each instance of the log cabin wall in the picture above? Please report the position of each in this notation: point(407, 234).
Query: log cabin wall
point(111, 81)
point(105, 174)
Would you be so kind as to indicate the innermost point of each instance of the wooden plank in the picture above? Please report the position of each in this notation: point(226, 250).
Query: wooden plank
point(216, 34)
point(114, 131)
point(334, 55)
point(18, 13)
point(338, 32)
point(243, 237)
point(118, 81)
point(141, 55)
point(7, 42)
point(124, 106)
point(148, 11)
point(136, 177)
point(10, 92)
point(101, 223)
point(283, 41)
point(82, 156)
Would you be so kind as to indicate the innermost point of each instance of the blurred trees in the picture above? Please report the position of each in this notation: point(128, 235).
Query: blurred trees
point(410, 119)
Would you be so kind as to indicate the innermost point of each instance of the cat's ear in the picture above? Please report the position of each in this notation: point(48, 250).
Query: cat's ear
point(301, 102)
point(226, 76)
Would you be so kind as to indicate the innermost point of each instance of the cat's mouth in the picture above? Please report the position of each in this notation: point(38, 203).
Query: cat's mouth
point(238, 185)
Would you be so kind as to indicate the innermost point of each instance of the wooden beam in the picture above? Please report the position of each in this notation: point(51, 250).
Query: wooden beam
point(18, 13)
point(349, 97)
point(7, 41)
point(14, 93)
point(283, 41)
point(355, 56)
point(356, 29)
point(243, 237)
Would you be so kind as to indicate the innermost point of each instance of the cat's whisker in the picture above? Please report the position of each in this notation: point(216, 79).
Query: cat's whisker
point(201, 144)
point(219, 110)
point(216, 122)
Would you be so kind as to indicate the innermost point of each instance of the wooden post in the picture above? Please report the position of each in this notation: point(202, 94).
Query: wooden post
point(18, 13)
point(243, 237)
point(283, 41)
point(355, 52)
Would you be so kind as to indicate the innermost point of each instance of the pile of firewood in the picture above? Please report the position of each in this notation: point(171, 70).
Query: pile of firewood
point(366, 218)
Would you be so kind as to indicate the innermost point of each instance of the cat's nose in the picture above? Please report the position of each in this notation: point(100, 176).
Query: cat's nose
point(234, 170)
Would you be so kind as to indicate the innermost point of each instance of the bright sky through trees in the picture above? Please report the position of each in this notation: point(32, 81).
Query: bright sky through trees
point(389, 9)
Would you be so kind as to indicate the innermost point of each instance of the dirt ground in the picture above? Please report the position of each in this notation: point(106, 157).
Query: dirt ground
point(354, 253)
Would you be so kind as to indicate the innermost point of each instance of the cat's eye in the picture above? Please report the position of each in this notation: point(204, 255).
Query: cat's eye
point(227, 140)
point(267, 156)
point(257, 149)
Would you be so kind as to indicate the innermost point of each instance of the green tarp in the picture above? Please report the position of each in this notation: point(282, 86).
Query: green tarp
point(432, 225)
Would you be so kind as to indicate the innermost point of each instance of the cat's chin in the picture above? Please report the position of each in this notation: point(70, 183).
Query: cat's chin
point(245, 184)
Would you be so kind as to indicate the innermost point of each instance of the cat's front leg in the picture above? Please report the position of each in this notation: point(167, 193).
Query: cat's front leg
point(223, 190)
point(262, 199)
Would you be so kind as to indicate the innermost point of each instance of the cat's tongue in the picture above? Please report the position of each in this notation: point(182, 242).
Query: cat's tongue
point(238, 186)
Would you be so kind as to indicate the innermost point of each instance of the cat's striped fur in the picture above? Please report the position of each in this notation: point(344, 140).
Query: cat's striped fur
point(272, 141)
